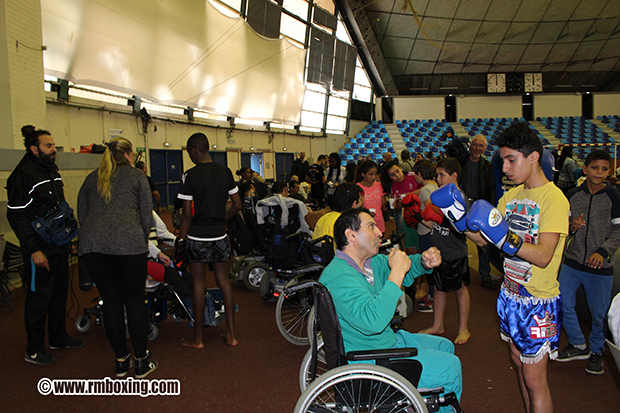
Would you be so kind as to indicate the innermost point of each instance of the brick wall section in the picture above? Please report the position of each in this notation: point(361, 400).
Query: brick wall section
point(25, 65)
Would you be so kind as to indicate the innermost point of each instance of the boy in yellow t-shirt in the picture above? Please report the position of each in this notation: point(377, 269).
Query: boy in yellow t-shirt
point(530, 226)
point(346, 196)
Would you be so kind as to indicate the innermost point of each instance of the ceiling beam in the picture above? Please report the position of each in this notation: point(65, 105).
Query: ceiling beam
point(364, 38)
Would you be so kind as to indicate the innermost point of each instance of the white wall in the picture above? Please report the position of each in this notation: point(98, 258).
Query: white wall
point(557, 105)
point(22, 99)
point(428, 107)
point(73, 126)
point(606, 104)
point(488, 107)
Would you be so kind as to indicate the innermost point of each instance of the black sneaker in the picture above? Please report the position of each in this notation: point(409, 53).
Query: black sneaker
point(595, 365)
point(41, 358)
point(70, 343)
point(145, 366)
point(571, 353)
point(123, 365)
point(489, 282)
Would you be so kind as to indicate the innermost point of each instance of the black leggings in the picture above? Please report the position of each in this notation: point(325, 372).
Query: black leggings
point(120, 280)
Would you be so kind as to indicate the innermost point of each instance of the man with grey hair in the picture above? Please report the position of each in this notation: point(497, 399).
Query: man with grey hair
point(477, 180)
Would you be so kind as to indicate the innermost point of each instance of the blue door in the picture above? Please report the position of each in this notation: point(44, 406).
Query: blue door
point(253, 161)
point(219, 157)
point(166, 170)
point(284, 163)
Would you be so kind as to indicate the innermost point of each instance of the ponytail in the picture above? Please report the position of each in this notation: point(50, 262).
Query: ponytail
point(113, 156)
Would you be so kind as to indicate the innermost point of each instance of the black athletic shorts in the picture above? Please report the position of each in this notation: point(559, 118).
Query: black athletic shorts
point(208, 251)
point(450, 275)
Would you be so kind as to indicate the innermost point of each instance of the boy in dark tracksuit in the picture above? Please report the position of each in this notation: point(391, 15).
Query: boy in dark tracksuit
point(595, 224)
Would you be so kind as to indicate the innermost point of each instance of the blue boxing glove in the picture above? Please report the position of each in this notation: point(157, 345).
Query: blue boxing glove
point(453, 204)
point(487, 219)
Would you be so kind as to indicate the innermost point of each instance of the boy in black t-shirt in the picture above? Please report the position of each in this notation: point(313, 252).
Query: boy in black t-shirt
point(453, 273)
point(208, 185)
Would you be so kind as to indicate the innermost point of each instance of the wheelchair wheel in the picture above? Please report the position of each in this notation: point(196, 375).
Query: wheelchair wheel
point(265, 290)
point(304, 370)
point(292, 313)
point(361, 388)
point(83, 324)
point(253, 274)
point(176, 318)
point(153, 332)
point(310, 322)
point(409, 303)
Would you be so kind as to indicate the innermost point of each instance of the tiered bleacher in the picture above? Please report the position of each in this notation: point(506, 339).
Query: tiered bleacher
point(612, 121)
point(373, 141)
point(578, 131)
point(422, 136)
point(491, 128)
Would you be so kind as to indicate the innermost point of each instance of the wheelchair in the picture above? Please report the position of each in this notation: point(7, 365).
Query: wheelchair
point(250, 244)
point(160, 299)
point(330, 384)
point(294, 310)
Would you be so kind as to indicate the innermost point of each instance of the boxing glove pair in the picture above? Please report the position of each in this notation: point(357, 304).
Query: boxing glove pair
point(414, 214)
point(412, 210)
point(487, 219)
point(482, 217)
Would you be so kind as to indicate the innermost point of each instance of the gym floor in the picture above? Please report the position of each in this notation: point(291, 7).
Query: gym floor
point(261, 374)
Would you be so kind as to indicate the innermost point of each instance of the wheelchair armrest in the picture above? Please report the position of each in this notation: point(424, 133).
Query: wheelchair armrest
point(324, 238)
point(301, 286)
point(389, 353)
point(397, 320)
point(296, 235)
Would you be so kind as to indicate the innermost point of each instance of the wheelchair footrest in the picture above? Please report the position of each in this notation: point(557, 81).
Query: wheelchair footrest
point(434, 399)
point(382, 354)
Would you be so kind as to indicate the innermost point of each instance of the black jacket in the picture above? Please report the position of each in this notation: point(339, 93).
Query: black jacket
point(34, 188)
point(300, 169)
point(601, 234)
point(486, 179)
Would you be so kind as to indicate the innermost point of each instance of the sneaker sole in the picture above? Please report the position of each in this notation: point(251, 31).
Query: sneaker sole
point(141, 376)
point(125, 373)
point(27, 360)
point(425, 311)
point(573, 358)
point(70, 347)
point(595, 372)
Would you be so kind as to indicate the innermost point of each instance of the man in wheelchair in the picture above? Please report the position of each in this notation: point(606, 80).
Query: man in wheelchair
point(365, 287)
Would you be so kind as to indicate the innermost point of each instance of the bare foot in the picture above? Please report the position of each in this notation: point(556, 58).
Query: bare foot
point(433, 330)
point(230, 341)
point(191, 343)
point(462, 337)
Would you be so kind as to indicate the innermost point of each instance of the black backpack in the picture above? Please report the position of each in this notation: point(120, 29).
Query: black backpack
point(284, 253)
point(242, 240)
point(458, 148)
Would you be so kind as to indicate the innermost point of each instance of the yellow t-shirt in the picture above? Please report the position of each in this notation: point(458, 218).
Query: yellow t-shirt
point(325, 226)
point(530, 212)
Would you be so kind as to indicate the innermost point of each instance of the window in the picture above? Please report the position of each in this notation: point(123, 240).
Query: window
point(226, 7)
point(293, 28)
point(297, 7)
point(314, 101)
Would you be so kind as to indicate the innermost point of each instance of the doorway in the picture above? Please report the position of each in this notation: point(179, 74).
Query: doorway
point(284, 163)
point(253, 161)
point(166, 169)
